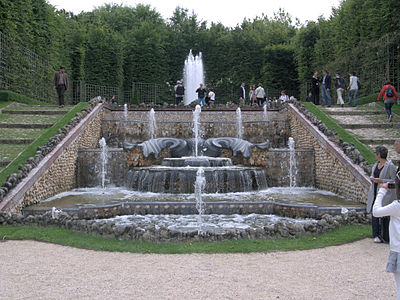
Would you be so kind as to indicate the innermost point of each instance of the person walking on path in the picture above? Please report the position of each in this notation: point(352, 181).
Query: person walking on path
point(260, 94)
point(382, 171)
point(326, 87)
point(391, 210)
point(389, 94)
point(353, 89)
point(61, 85)
point(201, 94)
point(315, 82)
point(340, 85)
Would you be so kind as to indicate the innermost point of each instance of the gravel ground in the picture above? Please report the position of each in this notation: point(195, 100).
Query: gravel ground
point(33, 270)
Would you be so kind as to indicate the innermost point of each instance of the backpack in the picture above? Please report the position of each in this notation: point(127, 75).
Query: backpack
point(358, 84)
point(180, 90)
point(389, 92)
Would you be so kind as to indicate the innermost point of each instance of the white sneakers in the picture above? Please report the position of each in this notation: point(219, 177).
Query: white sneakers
point(377, 240)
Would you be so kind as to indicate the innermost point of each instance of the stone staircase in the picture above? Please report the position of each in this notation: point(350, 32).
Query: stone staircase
point(369, 124)
point(21, 125)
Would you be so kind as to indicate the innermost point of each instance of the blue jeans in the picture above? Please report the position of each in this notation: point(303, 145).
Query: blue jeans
point(202, 101)
point(388, 107)
point(325, 93)
point(353, 93)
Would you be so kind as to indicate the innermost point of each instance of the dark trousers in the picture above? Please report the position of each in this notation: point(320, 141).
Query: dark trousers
point(260, 101)
point(380, 228)
point(178, 100)
point(60, 92)
point(315, 95)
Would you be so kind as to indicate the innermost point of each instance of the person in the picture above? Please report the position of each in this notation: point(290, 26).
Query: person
point(201, 94)
point(112, 100)
point(260, 94)
point(309, 98)
point(340, 85)
point(389, 94)
point(242, 93)
point(270, 100)
point(61, 85)
point(391, 210)
point(179, 92)
point(353, 89)
point(315, 81)
point(252, 94)
point(326, 87)
point(382, 171)
point(211, 97)
point(284, 98)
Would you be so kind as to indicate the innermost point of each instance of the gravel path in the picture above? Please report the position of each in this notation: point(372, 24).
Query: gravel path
point(32, 270)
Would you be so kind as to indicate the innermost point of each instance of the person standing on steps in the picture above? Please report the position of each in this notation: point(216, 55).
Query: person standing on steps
point(315, 82)
point(201, 94)
point(242, 93)
point(179, 92)
point(382, 171)
point(390, 96)
point(326, 87)
point(260, 94)
point(340, 85)
point(353, 89)
point(61, 85)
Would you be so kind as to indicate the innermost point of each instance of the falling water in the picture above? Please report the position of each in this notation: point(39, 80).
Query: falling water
point(198, 188)
point(265, 112)
point(193, 73)
point(125, 111)
point(239, 123)
point(292, 163)
point(103, 156)
point(152, 124)
point(196, 128)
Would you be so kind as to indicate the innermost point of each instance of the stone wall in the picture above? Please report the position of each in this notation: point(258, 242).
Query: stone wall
point(56, 173)
point(333, 170)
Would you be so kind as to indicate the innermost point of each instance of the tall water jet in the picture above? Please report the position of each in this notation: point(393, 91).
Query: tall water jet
point(265, 108)
point(125, 111)
point(103, 157)
point(198, 190)
point(152, 124)
point(193, 75)
point(292, 163)
point(196, 128)
point(239, 123)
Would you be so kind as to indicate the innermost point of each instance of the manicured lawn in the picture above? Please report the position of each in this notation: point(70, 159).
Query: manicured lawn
point(5, 103)
point(40, 107)
point(64, 237)
point(346, 136)
point(20, 133)
point(29, 119)
point(10, 151)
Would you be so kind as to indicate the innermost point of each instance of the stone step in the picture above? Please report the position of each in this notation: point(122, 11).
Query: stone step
point(35, 112)
point(375, 125)
point(377, 141)
point(4, 163)
point(354, 112)
point(25, 125)
point(16, 141)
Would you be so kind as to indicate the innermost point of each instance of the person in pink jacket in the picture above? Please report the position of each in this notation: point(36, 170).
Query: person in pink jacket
point(389, 98)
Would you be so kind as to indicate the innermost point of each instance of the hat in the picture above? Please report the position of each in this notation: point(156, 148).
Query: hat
point(178, 82)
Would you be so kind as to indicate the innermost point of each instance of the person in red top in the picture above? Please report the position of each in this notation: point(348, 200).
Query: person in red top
point(389, 98)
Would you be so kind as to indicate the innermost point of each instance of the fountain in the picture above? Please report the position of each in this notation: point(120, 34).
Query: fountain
point(193, 73)
point(104, 157)
point(199, 186)
point(292, 163)
point(152, 124)
point(196, 128)
point(265, 112)
point(239, 123)
point(125, 111)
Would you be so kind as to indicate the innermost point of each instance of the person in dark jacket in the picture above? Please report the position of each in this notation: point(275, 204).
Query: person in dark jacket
point(315, 82)
point(340, 85)
point(61, 85)
point(389, 94)
point(201, 94)
point(326, 87)
point(242, 93)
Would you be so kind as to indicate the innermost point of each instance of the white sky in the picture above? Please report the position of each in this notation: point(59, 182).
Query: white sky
point(228, 12)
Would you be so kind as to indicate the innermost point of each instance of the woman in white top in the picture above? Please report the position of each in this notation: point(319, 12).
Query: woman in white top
point(260, 94)
point(353, 89)
point(284, 98)
point(392, 210)
point(211, 96)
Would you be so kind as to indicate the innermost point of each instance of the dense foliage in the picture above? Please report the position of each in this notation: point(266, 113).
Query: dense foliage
point(116, 45)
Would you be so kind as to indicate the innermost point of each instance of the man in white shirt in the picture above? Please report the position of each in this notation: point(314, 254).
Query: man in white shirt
point(353, 89)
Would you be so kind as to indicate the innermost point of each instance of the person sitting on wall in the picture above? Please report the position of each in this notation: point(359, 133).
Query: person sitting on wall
point(309, 98)
point(112, 100)
point(284, 98)
point(382, 171)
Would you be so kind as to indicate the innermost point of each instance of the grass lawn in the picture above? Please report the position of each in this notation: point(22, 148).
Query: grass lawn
point(29, 119)
point(346, 136)
point(40, 107)
point(10, 151)
point(20, 133)
point(5, 103)
point(68, 238)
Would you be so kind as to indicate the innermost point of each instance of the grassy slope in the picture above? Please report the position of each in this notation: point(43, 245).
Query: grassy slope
point(64, 237)
point(5, 103)
point(346, 136)
point(15, 97)
point(40, 141)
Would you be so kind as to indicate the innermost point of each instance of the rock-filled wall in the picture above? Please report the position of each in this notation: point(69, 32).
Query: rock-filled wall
point(275, 162)
point(333, 170)
point(60, 175)
point(178, 124)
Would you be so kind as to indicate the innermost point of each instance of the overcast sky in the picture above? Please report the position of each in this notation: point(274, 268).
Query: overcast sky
point(228, 12)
